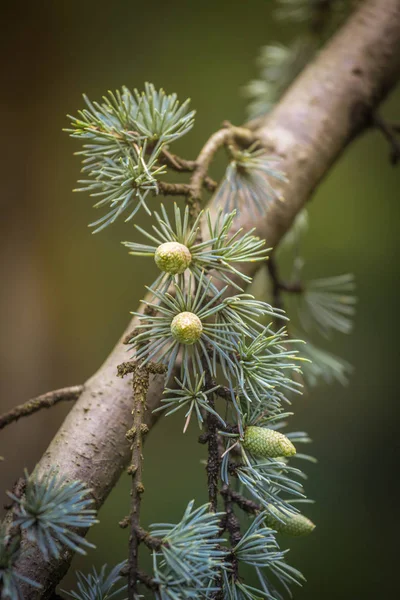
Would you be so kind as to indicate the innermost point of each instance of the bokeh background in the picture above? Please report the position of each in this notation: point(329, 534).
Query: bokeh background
point(66, 295)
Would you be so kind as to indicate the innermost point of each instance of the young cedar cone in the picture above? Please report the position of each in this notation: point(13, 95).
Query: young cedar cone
point(294, 525)
point(267, 443)
point(172, 257)
point(186, 328)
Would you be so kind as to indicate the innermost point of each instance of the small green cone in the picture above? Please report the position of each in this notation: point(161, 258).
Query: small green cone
point(267, 443)
point(186, 328)
point(172, 257)
point(294, 525)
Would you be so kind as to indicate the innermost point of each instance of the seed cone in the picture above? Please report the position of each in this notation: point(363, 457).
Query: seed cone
point(172, 257)
point(186, 328)
point(294, 525)
point(267, 443)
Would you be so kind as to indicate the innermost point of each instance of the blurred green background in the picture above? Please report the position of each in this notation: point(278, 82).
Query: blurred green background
point(66, 295)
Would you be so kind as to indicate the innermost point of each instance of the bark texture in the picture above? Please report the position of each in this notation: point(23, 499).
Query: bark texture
point(328, 105)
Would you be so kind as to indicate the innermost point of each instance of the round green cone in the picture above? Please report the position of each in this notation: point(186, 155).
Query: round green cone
point(172, 257)
point(294, 525)
point(186, 328)
point(267, 443)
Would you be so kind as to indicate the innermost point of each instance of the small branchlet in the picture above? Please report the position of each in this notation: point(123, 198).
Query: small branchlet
point(224, 137)
point(181, 165)
point(244, 503)
point(47, 400)
point(140, 383)
point(391, 133)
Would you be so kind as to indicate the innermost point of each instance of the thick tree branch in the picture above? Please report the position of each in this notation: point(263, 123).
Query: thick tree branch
point(327, 106)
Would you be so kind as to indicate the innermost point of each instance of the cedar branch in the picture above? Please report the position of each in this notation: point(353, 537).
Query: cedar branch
point(328, 105)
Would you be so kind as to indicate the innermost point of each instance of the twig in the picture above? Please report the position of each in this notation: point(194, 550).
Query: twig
point(174, 189)
point(147, 581)
point(144, 536)
point(179, 164)
point(154, 543)
point(211, 438)
point(140, 385)
point(240, 135)
point(244, 503)
point(232, 526)
point(142, 577)
point(44, 401)
point(214, 459)
point(279, 286)
point(224, 392)
point(389, 131)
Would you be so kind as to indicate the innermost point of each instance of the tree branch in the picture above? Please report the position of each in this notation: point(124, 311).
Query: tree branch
point(44, 401)
point(328, 105)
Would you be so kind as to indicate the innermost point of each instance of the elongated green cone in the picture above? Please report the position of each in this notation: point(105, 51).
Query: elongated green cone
point(267, 443)
point(294, 525)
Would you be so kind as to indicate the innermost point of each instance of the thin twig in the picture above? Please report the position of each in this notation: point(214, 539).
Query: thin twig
point(179, 164)
point(224, 392)
point(174, 189)
point(44, 401)
point(244, 503)
point(211, 438)
point(279, 286)
point(142, 577)
point(232, 526)
point(226, 135)
point(144, 536)
point(140, 385)
point(214, 459)
point(390, 133)
point(148, 581)
point(154, 543)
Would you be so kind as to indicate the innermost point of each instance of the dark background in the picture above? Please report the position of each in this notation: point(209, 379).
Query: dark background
point(66, 295)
